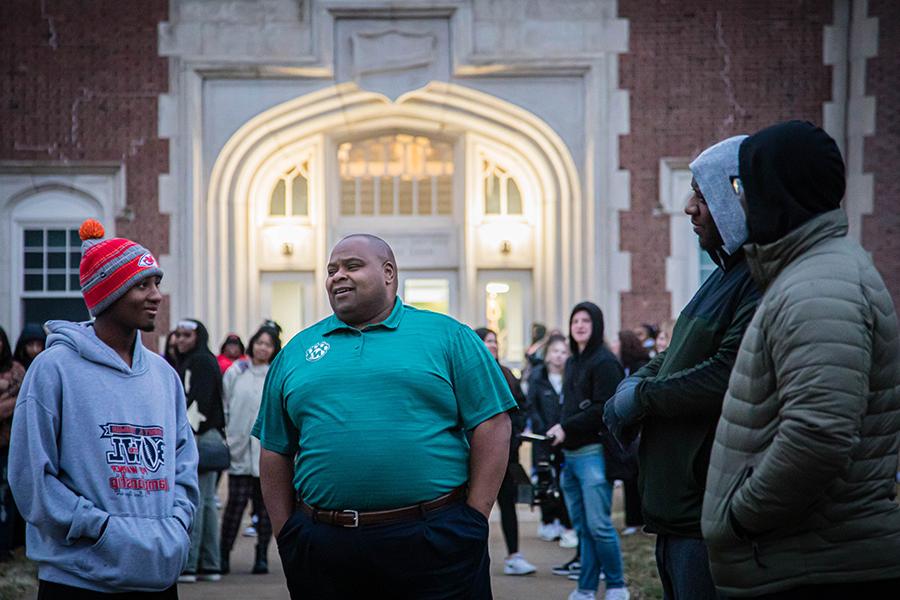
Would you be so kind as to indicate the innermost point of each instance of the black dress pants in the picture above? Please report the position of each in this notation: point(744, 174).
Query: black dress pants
point(442, 555)
point(509, 520)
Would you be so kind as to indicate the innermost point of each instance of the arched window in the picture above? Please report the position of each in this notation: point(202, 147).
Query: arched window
point(501, 192)
point(46, 252)
point(290, 196)
point(397, 174)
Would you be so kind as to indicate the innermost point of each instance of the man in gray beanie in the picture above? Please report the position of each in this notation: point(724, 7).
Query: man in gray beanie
point(675, 400)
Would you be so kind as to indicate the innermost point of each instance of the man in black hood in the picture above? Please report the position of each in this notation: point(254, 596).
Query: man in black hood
point(591, 376)
point(791, 173)
point(800, 498)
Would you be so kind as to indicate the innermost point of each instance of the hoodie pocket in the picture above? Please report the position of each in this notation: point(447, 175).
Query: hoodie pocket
point(137, 553)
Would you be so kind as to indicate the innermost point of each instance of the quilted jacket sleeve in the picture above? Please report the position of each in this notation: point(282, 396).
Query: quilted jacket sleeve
point(820, 342)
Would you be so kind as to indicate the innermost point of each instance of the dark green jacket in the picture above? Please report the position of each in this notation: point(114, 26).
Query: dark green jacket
point(681, 396)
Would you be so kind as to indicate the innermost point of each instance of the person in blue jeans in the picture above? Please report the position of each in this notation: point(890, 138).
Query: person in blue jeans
point(591, 376)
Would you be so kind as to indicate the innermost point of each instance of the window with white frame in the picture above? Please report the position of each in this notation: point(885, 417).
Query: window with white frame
point(41, 207)
point(501, 192)
point(290, 195)
point(50, 275)
point(396, 174)
point(687, 265)
point(51, 259)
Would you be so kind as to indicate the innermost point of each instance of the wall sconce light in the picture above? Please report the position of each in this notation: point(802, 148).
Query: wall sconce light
point(287, 248)
point(505, 247)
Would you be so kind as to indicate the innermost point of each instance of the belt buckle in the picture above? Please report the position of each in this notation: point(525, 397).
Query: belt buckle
point(354, 514)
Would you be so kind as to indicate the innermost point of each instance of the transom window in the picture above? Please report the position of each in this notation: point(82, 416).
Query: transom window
point(51, 259)
point(396, 174)
point(501, 192)
point(290, 196)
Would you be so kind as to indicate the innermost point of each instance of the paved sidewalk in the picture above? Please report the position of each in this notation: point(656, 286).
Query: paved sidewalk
point(542, 585)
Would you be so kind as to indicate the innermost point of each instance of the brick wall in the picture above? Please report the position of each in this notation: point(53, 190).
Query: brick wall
point(79, 82)
point(881, 230)
point(697, 74)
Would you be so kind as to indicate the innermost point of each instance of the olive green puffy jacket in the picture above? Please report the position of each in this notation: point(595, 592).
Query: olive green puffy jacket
point(801, 486)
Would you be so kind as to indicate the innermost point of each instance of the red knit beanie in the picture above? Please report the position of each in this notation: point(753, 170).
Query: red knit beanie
point(109, 268)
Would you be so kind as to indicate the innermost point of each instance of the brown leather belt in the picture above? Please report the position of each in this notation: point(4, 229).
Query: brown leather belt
point(354, 518)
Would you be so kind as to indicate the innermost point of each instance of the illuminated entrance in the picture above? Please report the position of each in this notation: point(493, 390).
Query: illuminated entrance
point(476, 196)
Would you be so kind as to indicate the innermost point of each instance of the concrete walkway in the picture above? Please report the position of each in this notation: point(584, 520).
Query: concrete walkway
point(542, 585)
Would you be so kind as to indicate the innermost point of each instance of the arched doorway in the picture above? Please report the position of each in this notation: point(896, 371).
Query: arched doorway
point(471, 190)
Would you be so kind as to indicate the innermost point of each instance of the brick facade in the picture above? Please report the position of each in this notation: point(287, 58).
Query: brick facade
point(697, 74)
point(79, 82)
point(881, 230)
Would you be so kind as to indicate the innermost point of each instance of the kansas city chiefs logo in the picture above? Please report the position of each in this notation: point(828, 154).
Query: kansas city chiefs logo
point(147, 260)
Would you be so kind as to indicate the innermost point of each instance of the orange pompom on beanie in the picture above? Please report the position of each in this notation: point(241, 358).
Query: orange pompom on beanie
point(109, 268)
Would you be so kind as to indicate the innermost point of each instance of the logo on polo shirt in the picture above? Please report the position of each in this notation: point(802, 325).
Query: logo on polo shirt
point(317, 351)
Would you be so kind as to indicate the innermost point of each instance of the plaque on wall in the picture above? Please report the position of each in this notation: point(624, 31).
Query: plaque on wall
point(392, 56)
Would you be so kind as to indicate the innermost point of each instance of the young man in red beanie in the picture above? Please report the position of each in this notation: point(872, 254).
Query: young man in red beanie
point(103, 463)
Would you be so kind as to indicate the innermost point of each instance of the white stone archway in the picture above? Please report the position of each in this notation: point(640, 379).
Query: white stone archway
point(225, 257)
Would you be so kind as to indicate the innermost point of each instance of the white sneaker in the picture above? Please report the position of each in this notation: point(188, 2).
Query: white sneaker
point(568, 539)
point(577, 576)
point(581, 595)
point(209, 577)
point(187, 578)
point(629, 531)
point(250, 531)
point(549, 532)
point(517, 565)
point(617, 594)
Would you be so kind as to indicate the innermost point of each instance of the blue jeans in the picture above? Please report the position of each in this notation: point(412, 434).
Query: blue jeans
point(588, 498)
point(683, 565)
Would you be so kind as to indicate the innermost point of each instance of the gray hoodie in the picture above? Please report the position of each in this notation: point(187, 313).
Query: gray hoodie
point(95, 442)
point(716, 171)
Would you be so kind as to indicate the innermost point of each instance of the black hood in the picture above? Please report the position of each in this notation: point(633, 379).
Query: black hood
point(202, 346)
point(596, 340)
point(790, 173)
point(31, 332)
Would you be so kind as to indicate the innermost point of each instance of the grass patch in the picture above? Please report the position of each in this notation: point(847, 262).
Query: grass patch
point(18, 578)
point(638, 554)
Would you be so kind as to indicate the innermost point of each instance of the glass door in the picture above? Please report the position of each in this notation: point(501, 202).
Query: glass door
point(286, 298)
point(430, 290)
point(505, 301)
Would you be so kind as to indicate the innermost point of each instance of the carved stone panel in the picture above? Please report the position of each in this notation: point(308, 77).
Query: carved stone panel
point(392, 56)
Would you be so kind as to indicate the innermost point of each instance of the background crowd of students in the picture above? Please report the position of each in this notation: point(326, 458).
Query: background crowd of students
point(224, 392)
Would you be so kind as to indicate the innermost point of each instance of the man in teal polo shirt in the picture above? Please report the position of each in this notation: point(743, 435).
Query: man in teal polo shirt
point(384, 440)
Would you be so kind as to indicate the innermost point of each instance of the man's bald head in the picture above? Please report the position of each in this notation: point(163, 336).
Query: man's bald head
point(380, 247)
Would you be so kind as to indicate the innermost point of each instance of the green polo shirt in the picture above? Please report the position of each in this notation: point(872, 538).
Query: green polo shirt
point(377, 418)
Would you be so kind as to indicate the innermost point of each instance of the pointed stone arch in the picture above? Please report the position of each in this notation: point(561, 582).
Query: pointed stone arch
point(224, 265)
